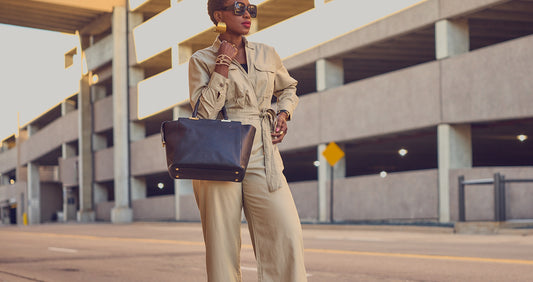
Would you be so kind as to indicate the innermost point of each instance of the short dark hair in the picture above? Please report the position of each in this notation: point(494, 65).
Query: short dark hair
point(214, 5)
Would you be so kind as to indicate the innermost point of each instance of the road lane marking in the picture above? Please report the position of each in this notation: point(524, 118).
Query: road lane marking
point(323, 251)
point(255, 269)
point(62, 250)
point(361, 239)
point(248, 268)
point(419, 256)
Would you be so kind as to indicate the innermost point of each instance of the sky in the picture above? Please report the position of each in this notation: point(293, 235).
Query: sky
point(32, 74)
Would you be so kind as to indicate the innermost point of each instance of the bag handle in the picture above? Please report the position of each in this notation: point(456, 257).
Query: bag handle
point(194, 116)
point(223, 111)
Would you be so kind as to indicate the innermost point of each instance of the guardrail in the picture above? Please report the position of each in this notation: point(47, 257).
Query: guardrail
point(499, 194)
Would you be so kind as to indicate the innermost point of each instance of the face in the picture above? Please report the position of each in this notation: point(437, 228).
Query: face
point(236, 24)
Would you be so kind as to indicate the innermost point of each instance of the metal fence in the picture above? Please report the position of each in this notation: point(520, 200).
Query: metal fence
point(499, 182)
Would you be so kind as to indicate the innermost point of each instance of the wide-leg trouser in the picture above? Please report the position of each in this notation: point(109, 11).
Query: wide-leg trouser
point(273, 222)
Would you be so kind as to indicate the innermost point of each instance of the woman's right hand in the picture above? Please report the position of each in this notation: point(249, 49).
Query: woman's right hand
point(228, 49)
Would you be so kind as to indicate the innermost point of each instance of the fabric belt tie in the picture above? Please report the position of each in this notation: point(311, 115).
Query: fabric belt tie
point(268, 118)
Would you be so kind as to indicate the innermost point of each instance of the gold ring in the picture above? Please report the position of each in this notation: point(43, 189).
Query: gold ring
point(281, 132)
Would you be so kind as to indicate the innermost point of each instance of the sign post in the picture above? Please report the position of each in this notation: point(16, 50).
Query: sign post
point(333, 153)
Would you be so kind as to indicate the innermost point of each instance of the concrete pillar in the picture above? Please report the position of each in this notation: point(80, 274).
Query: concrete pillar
point(69, 203)
point(324, 177)
point(329, 74)
point(85, 152)
point(182, 186)
point(137, 130)
point(454, 151)
point(451, 38)
point(99, 141)
point(323, 172)
point(339, 170)
point(34, 194)
point(33, 185)
point(176, 113)
point(122, 212)
point(138, 188)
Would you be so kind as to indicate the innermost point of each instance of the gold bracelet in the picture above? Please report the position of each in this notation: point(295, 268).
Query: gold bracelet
point(223, 59)
point(223, 63)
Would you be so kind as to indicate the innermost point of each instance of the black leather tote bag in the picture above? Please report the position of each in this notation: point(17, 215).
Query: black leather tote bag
point(207, 149)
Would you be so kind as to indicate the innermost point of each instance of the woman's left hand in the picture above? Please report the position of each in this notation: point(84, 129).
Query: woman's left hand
point(281, 128)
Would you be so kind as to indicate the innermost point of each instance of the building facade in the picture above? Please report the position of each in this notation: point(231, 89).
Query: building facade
point(418, 97)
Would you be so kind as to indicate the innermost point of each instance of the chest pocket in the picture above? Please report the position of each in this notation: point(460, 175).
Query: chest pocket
point(265, 81)
point(237, 89)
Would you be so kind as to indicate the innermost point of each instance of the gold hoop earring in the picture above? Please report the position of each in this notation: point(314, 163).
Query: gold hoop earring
point(220, 28)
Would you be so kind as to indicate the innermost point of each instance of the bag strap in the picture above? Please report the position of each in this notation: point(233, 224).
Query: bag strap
point(195, 116)
point(195, 111)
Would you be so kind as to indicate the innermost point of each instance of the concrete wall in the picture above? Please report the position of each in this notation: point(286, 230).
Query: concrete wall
point(15, 191)
point(188, 208)
point(453, 8)
point(148, 156)
point(154, 208)
point(489, 84)
point(409, 97)
point(8, 160)
point(480, 198)
point(409, 196)
point(103, 114)
point(305, 195)
point(51, 201)
point(103, 165)
point(61, 130)
point(99, 53)
point(12, 191)
point(68, 171)
point(49, 173)
point(421, 15)
point(103, 211)
point(399, 196)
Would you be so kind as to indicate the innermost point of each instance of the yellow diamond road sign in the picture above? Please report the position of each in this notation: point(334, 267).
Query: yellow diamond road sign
point(333, 153)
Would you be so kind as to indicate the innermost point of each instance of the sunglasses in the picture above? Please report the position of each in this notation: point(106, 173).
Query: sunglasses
point(240, 8)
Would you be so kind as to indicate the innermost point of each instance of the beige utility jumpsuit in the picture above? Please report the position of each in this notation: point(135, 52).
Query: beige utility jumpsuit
point(264, 193)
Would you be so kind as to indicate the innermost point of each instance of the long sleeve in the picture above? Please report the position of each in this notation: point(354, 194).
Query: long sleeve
point(208, 86)
point(284, 87)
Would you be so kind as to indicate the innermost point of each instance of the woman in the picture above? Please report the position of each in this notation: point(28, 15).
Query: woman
point(243, 76)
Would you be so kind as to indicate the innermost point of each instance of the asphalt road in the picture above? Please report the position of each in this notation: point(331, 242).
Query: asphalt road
point(175, 252)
